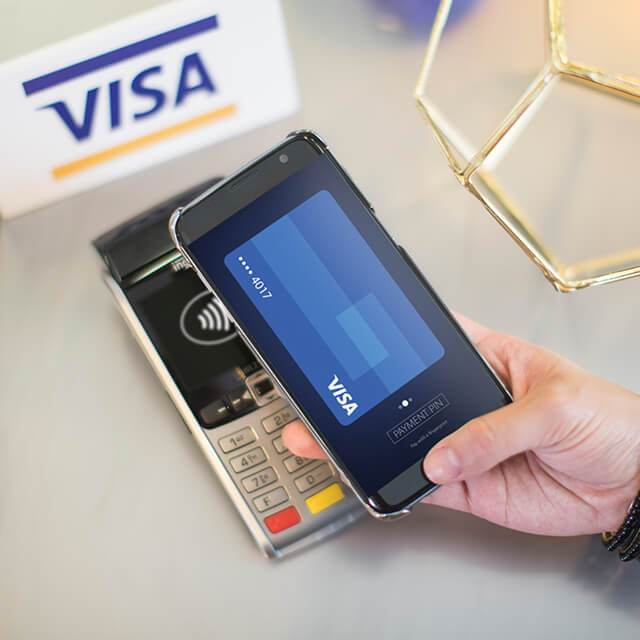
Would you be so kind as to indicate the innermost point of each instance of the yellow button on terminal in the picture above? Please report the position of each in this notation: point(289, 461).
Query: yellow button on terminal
point(325, 498)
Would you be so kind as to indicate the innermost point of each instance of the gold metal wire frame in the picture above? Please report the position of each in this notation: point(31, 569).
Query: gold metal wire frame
point(472, 167)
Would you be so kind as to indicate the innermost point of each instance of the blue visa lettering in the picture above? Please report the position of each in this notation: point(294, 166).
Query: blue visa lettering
point(192, 64)
point(82, 130)
point(193, 77)
point(114, 103)
point(140, 89)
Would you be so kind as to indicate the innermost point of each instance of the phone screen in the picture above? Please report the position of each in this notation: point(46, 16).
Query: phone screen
point(353, 332)
point(357, 339)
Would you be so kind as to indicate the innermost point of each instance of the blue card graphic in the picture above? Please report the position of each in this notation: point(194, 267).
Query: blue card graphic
point(334, 307)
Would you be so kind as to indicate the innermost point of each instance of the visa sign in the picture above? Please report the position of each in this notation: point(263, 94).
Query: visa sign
point(140, 86)
point(184, 84)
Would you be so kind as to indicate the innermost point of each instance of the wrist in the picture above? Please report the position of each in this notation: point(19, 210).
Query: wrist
point(626, 539)
point(620, 505)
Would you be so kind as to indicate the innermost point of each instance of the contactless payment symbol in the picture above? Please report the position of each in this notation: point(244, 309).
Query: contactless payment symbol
point(203, 321)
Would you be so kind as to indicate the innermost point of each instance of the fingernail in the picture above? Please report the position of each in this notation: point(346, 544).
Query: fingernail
point(442, 465)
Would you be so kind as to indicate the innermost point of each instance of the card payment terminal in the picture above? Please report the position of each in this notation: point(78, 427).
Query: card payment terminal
point(226, 399)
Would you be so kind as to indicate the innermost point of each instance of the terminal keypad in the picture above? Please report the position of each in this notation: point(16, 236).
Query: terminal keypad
point(263, 468)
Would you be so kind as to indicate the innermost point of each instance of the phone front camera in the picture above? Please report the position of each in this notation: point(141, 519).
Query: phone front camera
point(284, 158)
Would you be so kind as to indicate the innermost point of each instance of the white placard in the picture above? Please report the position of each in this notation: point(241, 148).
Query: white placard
point(138, 92)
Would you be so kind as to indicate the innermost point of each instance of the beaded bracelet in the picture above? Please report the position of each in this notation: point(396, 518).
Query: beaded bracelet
point(627, 538)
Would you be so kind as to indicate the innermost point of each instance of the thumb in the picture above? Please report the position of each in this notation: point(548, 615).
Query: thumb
point(487, 441)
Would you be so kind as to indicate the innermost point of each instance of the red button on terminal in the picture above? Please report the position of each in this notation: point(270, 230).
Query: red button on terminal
point(282, 520)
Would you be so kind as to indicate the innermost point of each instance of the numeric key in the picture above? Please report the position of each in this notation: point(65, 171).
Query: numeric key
point(260, 479)
point(238, 439)
point(248, 460)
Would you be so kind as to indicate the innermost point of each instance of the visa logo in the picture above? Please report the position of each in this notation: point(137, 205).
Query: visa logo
point(193, 77)
point(117, 104)
point(340, 393)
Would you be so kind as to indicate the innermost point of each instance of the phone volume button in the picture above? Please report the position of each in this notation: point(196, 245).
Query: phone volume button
point(414, 267)
point(409, 260)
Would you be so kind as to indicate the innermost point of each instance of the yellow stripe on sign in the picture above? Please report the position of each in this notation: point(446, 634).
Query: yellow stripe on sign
point(65, 170)
point(325, 498)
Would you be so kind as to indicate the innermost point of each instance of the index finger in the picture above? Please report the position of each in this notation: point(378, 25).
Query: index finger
point(299, 441)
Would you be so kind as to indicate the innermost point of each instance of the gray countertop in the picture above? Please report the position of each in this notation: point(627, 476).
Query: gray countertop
point(111, 523)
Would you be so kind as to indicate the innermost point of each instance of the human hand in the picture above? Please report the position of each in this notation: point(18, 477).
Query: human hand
point(562, 459)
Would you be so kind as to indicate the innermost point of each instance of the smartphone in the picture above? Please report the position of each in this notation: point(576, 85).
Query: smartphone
point(339, 315)
point(228, 402)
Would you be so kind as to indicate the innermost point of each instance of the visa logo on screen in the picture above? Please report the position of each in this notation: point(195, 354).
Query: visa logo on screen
point(115, 101)
point(341, 394)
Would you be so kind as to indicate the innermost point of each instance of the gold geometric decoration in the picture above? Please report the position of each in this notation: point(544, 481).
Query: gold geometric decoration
point(473, 167)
